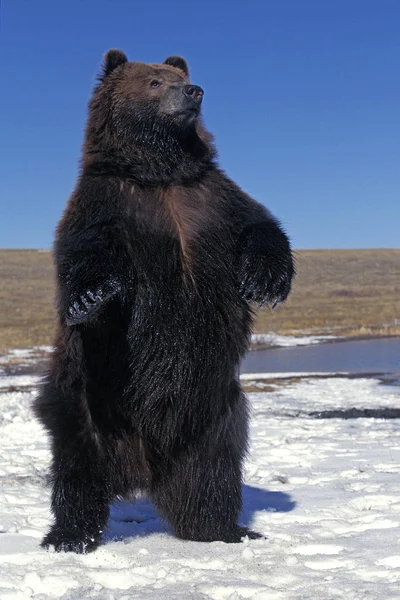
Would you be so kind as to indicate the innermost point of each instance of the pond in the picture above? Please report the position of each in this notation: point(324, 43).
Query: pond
point(356, 356)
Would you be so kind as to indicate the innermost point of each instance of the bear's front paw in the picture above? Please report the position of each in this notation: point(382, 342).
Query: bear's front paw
point(266, 279)
point(86, 305)
point(266, 266)
point(69, 541)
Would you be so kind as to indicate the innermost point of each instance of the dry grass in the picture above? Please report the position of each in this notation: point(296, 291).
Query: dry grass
point(27, 315)
point(346, 292)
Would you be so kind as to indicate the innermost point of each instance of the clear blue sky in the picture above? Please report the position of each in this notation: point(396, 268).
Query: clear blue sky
point(303, 97)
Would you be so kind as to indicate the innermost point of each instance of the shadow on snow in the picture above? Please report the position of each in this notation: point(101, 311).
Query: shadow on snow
point(141, 518)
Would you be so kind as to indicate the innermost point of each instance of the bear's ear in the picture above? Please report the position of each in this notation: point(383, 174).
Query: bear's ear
point(178, 62)
point(112, 59)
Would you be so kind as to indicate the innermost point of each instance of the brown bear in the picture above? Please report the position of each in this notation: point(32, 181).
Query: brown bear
point(159, 259)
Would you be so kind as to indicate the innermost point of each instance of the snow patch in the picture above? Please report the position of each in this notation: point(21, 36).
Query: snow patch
point(273, 340)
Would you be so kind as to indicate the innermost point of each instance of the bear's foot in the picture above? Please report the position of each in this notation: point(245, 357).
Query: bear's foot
point(64, 540)
point(233, 536)
point(239, 533)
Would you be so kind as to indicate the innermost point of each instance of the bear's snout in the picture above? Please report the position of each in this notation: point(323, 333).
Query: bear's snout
point(194, 92)
point(183, 100)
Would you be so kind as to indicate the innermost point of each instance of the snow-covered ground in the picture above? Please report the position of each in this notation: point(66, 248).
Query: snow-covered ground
point(273, 340)
point(25, 356)
point(324, 492)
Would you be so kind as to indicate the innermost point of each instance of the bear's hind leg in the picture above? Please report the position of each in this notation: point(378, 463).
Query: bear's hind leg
point(200, 493)
point(79, 502)
point(81, 489)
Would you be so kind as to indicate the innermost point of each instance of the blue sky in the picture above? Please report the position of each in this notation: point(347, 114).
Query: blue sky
point(303, 97)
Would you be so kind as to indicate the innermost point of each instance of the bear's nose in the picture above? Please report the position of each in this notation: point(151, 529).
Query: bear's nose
point(194, 92)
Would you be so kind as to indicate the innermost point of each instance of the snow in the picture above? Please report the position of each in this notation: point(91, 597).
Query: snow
point(272, 376)
point(20, 381)
point(25, 355)
point(324, 492)
point(273, 340)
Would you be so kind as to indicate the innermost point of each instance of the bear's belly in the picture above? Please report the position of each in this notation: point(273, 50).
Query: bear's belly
point(185, 326)
point(184, 352)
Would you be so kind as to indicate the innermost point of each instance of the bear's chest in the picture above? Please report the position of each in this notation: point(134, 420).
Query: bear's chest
point(185, 215)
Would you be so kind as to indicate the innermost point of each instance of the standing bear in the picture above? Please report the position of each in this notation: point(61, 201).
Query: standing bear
point(159, 258)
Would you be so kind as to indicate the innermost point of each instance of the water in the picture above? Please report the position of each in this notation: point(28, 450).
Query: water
point(361, 356)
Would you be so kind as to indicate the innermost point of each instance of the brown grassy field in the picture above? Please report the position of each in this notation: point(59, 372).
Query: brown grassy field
point(344, 292)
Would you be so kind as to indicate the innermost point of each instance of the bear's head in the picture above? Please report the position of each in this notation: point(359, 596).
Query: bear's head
point(144, 120)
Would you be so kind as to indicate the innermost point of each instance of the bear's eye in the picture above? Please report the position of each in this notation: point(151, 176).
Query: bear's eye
point(155, 83)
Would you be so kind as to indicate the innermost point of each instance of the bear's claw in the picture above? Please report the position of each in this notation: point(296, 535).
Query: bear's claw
point(88, 303)
point(66, 541)
point(240, 533)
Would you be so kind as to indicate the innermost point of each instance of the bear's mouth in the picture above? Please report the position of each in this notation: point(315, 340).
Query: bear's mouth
point(192, 111)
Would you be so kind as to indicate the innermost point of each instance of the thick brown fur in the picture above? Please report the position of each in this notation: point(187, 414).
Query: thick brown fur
point(159, 258)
